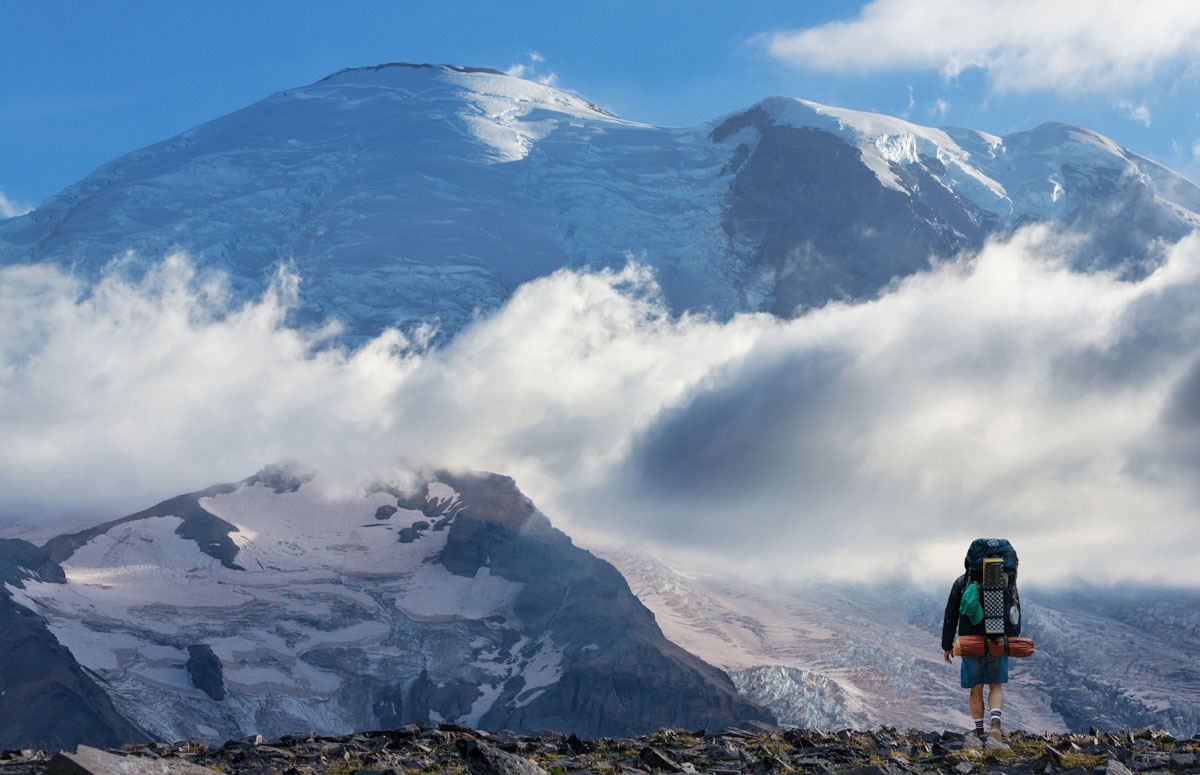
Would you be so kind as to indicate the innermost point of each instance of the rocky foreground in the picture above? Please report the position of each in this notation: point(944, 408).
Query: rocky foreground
point(752, 749)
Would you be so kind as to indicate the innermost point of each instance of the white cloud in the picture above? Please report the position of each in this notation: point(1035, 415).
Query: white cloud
point(1196, 149)
point(1003, 394)
point(940, 108)
point(135, 390)
point(531, 69)
point(10, 208)
point(1139, 113)
point(1024, 45)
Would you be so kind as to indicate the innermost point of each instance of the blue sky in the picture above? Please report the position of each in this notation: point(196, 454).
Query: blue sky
point(86, 82)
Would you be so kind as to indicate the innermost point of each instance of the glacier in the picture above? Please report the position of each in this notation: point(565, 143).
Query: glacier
point(419, 195)
point(830, 655)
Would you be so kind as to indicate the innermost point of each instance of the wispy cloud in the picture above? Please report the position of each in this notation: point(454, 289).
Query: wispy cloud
point(10, 208)
point(1024, 45)
point(1139, 113)
point(999, 393)
point(912, 102)
point(531, 67)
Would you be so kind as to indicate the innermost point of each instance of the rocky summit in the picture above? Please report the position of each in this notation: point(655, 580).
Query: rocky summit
point(754, 748)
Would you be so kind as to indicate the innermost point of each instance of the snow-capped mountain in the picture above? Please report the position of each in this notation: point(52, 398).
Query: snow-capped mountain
point(842, 655)
point(414, 194)
point(268, 607)
point(407, 194)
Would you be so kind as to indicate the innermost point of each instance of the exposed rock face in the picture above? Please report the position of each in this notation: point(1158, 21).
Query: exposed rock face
point(205, 669)
point(209, 532)
point(574, 598)
point(46, 700)
point(800, 202)
point(22, 560)
point(460, 602)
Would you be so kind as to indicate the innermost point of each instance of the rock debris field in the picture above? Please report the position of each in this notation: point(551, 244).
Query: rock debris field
point(752, 749)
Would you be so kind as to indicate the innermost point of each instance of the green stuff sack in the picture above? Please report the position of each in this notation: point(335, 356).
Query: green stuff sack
point(970, 607)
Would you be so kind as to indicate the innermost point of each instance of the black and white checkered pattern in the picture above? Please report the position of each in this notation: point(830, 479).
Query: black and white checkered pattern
point(993, 611)
point(994, 582)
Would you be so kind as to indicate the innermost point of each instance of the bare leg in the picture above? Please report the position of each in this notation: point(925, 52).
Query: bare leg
point(995, 703)
point(995, 697)
point(977, 701)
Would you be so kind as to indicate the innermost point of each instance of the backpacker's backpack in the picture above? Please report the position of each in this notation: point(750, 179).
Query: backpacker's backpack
point(992, 562)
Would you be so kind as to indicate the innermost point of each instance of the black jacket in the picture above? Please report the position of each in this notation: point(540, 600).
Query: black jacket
point(953, 620)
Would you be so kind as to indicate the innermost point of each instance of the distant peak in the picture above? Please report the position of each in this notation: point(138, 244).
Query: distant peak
point(423, 66)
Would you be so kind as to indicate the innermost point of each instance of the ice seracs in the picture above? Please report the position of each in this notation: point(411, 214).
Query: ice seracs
point(833, 655)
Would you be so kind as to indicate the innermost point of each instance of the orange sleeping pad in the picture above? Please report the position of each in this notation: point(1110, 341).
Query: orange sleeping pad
point(973, 646)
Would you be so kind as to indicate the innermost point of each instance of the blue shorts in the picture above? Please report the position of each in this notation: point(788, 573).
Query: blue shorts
point(984, 670)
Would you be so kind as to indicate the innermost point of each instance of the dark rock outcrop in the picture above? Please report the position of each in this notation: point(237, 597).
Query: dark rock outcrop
point(798, 204)
point(211, 533)
point(620, 674)
point(46, 699)
point(205, 670)
point(22, 560)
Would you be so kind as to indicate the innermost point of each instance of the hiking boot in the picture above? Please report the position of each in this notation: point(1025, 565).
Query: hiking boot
point(971, 740)
point(995, 740)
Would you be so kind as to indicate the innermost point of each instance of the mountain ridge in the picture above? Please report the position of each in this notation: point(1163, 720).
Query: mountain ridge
point(408, 195)
point(456, 600)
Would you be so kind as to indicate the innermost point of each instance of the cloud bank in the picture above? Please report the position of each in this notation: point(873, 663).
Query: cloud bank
point(1024, 45)
point(998, 394)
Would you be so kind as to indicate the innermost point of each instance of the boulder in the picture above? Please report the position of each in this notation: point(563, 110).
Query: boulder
point(484, 759)
point(92, 761)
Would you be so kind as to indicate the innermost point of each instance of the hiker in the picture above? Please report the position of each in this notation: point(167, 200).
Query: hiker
point(968, 619)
